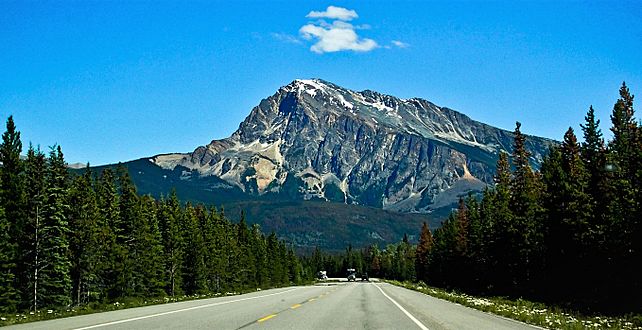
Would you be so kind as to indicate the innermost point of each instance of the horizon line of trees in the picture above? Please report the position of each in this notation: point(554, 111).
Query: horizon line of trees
point(71, 240)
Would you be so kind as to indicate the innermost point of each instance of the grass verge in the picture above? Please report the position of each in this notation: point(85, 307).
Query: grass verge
point(529, 312)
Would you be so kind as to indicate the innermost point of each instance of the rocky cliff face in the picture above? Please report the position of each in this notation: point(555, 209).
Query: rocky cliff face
point(315, 140)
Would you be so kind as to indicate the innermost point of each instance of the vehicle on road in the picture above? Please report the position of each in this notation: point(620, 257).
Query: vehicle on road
point(352, 274)
point(365, 277)
point(322, 275)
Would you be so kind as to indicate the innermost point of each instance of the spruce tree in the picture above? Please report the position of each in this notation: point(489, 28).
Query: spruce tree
point(169, 223)
point(260, 256)
point(12, 199)
point(127, 229)
point(501, 228)
point(56, 281)
point(148, 264)
point(593, 153)
point(214, 241)
point(85, 240)
point(35, 171)
point(423, 252)
point(8, 296)
point(624, 212)
point(525, 239)
point(194, 277)
point(108, 218)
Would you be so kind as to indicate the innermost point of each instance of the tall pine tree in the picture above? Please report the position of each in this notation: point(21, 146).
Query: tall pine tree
point(56, 281)
point(35, 172)
point(12, 200)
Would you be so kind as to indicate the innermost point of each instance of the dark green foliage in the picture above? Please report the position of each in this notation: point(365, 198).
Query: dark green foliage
point(83, 240)
point(55, 281)
point(569, 234)
point(108, 217)
point(169, 221)
point(193, 271)
point(12, 200)
point(8, 296)
point(148, 265)
point(32, 248)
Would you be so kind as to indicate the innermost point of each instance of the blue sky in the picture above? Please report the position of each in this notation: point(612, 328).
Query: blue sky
point(114, 81)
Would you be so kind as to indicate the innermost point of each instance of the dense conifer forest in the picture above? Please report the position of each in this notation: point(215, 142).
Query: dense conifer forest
point(76, 240)
point(569, 234)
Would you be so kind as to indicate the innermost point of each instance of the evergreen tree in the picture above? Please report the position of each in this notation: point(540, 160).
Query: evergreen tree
point(8, 299)
point(244, 254)
point(12, 200)
point(593, 153)
point(169, 221)
point(423, 252)
point(127, 229)
point(148, 265)
point(214, 240)
point(108, 218)
point(193, 250)
point(56, 281)
point(260, 256)
point(84, 239)
point(35, 171)
point(526, 235)
point(500, 228)
point(624, 212)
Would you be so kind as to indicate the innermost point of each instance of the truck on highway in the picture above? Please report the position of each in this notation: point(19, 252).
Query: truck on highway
point(352, 274)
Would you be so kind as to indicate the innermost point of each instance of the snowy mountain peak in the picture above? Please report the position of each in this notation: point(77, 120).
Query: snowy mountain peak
point(313, 139)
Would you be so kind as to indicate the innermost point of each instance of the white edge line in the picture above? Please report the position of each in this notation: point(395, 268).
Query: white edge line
point(180, 310)
point(417, 322)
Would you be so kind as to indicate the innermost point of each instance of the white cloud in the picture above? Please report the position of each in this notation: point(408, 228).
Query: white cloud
point(338, 35)
point(400, 44)
point(334, 13)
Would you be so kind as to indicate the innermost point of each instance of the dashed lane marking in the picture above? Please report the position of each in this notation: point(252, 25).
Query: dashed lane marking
point(295, 306)
point(266, 318)
point(181, 310)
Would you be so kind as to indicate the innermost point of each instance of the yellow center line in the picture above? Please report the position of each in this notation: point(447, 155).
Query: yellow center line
point(311, 299)
point(295, 306)
point(266, 318)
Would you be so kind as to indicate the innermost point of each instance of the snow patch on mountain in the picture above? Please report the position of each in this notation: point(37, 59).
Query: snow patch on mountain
point(360, 147)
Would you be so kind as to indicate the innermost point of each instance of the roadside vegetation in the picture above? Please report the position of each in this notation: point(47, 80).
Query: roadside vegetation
point(566, 235)
point(73, 244)
point(529, 312)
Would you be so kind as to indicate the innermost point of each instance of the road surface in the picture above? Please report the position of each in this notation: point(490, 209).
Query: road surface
point(359, 305)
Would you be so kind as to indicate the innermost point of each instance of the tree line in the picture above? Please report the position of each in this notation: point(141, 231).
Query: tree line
point(570, 233)
point(394, 261)
point(70, 240)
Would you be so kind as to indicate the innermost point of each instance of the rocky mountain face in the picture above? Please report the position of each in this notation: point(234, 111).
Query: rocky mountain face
point(315, 140)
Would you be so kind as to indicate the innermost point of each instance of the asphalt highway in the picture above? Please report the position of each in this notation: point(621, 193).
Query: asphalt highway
point(360, 305)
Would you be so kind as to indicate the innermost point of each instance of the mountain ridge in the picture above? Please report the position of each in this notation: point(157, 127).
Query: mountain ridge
point(372, 148)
